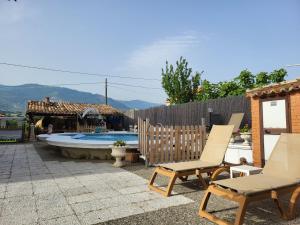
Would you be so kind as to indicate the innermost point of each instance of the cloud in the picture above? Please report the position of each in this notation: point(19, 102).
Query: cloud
point(149, 59)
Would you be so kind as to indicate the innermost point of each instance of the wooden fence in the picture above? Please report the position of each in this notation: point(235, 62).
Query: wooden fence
point(159, 144)
point(191, 113)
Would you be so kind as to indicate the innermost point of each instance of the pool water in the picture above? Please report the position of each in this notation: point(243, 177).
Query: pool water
point(107, 137)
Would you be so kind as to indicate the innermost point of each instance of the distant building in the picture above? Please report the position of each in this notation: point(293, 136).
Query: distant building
point(70, 117)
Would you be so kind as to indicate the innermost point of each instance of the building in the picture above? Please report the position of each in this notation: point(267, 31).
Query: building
point(70, 117)
point(275, 109)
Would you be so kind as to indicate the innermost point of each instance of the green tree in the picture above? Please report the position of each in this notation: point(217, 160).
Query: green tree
point(208, 90)
point(179, 83)
point(245, 80)
point(230, 88)
point(278, 75)
point(262, 79)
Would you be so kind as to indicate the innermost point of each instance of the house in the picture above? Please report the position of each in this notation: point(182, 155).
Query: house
point(275, 109)
point(70, 117)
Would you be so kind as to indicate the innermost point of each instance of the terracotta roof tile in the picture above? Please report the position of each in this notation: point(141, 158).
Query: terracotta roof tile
point(275, 89)
point(67, 108)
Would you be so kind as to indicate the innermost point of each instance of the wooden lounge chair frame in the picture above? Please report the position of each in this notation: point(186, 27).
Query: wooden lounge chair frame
point(212, 162)
point(244, 201)
point(183, 176)
point(229, 192)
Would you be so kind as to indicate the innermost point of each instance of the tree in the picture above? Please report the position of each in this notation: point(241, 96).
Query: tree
point(278, 75)
point(262, 79)
point(179, 83)
point(208, 90)
point(245, 80)
point(230, 88)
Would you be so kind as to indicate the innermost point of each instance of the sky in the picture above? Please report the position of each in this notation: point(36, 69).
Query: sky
point(135, 38)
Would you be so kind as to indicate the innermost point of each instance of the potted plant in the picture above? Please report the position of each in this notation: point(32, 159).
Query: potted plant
point(119, 152)
point(246, 134)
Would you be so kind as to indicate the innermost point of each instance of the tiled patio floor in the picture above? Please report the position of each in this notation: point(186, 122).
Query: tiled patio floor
point(34, 191)
point(39, 186)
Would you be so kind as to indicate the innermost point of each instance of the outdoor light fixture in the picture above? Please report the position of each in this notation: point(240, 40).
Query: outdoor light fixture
point(210, 110)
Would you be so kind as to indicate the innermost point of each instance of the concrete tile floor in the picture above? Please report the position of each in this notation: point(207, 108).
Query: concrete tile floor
point(37, 191)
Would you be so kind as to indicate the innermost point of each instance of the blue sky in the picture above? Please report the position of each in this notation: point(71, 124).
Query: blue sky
point(135, 38)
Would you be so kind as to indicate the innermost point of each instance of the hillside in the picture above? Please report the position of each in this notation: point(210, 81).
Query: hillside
point(14, 98)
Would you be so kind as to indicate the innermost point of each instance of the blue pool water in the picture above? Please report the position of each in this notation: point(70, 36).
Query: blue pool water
point(107, 137)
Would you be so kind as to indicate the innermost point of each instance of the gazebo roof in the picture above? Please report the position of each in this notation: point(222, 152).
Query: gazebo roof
point(281, 88)
point(47, 107)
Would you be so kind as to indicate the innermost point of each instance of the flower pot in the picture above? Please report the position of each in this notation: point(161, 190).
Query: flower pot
point(118, 152)
point(132, 157)
point(247, 138)
point(232, 140)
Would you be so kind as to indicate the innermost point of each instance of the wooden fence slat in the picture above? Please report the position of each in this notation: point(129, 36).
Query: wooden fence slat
point(157, 149)
point(161, 144)
point(151, 145)
point(192, 143)
point(183, 157)
point(192, 112)
point(188, 145)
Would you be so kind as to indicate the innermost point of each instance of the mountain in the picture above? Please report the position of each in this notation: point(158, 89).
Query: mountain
point(14, 98)
point(138, 104)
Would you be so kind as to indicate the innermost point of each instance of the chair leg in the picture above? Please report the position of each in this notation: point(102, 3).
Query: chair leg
point(240, 214)
point(204, 202)
point(172, 176)
point(202, 181)
point(171, 184)
point(292, 206)
point(275, 197)
point(153, 177)
point(184, 178)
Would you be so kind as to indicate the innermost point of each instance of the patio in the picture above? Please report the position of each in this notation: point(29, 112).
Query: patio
point(37, 186)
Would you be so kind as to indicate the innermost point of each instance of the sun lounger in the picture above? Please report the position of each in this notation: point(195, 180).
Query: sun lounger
point(236, 120)
point(211, 160)
point(280, 175)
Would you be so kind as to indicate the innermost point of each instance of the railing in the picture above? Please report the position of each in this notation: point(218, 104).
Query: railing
point(159, 144)
point(86, 128)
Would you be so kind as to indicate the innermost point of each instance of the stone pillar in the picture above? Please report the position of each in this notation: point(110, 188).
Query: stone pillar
point(32, 134)
point(257, 138)
point(295, 112)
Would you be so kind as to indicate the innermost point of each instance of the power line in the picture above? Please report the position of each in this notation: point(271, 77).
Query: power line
point(118, 84)
point(129, 90)
point(74, 72)
point(131, 85)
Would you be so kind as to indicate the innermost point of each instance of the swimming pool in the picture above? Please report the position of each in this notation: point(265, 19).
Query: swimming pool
point(107, 137)
point(87, 145)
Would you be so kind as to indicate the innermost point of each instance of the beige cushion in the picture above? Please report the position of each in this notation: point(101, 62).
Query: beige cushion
point(190, 165)
point(216, 145)
point(213, 152)
point(236, 119)
point(255, 183)
point(284, 160)
point(281, 170)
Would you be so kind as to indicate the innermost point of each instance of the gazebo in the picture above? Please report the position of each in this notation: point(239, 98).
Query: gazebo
point(70, 117)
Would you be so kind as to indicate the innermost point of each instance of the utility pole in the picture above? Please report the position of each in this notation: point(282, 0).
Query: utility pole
point(105, 91)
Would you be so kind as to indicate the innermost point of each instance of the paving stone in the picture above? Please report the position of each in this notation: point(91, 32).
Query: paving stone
point(54, 211)
point(80, 198)
point(89, 206)
point(18, 206)
point(67, 220)
point(128, 210)
point(24, 219)
point(95, 217)
point(76, 191)
point(135, 189)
